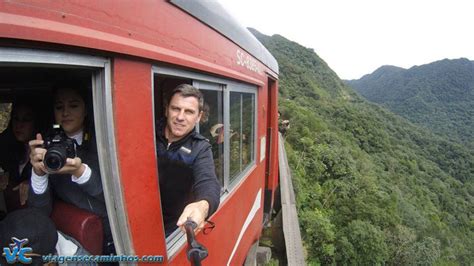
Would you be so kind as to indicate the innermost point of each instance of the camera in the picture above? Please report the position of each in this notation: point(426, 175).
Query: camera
point(59, 147)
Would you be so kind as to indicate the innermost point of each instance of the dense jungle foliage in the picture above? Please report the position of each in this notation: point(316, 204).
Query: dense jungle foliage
point(371, 187)
point(438, 96)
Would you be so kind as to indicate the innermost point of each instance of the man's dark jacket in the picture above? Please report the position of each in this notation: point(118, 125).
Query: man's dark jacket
point(187, 174)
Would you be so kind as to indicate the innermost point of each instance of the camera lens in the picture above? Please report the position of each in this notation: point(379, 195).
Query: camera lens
point(54, 159)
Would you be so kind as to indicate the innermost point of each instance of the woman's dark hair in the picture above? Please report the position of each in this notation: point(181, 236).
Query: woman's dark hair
point(84, 90)
point(80, 87)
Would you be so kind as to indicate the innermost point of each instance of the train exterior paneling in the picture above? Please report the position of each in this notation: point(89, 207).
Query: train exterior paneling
point(136, 153)
point(162, 35)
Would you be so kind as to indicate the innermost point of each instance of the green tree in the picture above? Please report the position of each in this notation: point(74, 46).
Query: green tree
point(368, 244)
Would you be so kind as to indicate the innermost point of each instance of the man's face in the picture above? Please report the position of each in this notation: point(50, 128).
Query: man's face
point(182, 115)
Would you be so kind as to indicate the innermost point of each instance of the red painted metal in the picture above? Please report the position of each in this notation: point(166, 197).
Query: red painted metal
point(272, 147)
point(134, 131)
point(162, 33)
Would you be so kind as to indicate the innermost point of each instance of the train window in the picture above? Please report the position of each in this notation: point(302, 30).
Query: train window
point(242, 110)
point(32, 75)
point(26, 94)
point(228, 122)
point(211, 127)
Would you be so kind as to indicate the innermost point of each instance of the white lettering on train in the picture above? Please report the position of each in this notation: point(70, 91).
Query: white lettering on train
point(248, 62)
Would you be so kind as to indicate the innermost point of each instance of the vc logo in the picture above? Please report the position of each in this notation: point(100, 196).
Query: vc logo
point(16, 252)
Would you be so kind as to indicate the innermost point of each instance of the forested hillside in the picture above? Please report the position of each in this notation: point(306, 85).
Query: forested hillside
point(438, 96)
point(371, 187)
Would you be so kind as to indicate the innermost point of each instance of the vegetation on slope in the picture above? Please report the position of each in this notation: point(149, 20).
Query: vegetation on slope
point(371, 187)
point(438, 96)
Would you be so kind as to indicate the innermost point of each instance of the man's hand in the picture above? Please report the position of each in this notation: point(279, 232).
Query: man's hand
point(197, 211)
point(37, 153)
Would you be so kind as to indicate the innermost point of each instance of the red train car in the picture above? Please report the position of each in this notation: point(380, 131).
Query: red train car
point(132, 53)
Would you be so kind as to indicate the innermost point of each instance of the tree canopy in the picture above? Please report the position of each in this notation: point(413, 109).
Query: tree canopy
point(372, 188)
point(438, 96)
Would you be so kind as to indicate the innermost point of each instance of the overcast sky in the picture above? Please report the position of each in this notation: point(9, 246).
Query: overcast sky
point(355, 37)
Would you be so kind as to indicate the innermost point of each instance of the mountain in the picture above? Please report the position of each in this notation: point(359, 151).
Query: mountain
point(438, 96)
point(371, 187)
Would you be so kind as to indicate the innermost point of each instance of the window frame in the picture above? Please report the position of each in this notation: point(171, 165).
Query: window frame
point(252, 164)
point(210, 86)
point(103, 123)
point(177, 239)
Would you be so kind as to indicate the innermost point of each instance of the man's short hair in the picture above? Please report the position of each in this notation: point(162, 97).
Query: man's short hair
point(187, 90)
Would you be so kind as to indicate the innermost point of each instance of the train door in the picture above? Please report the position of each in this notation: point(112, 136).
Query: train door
point(271, 173)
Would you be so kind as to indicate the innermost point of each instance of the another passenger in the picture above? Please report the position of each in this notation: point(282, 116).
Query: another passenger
point(188, 182)
point(31, 228)
point(283, 125)
point(14, 159)
point(78, 182)
point(27, 228)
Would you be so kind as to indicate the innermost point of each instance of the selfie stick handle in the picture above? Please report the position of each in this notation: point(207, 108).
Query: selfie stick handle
point(196, 252)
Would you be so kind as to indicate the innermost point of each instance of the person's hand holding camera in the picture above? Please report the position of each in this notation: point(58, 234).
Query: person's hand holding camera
point(37, 153)
point(73, 166)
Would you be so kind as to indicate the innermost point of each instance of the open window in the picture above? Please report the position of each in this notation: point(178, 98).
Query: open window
point(228, 122)
point(28, 89)
point(32, 74)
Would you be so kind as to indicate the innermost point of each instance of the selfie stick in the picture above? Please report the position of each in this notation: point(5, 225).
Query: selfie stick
point(196, 252)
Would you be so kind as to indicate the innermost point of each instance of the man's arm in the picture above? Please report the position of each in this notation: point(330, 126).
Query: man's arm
point(206, 189)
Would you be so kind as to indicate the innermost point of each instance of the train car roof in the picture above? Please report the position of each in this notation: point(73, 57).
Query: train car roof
point(216, 17)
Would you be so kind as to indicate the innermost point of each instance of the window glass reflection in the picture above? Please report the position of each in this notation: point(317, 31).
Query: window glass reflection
point(211, 127)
